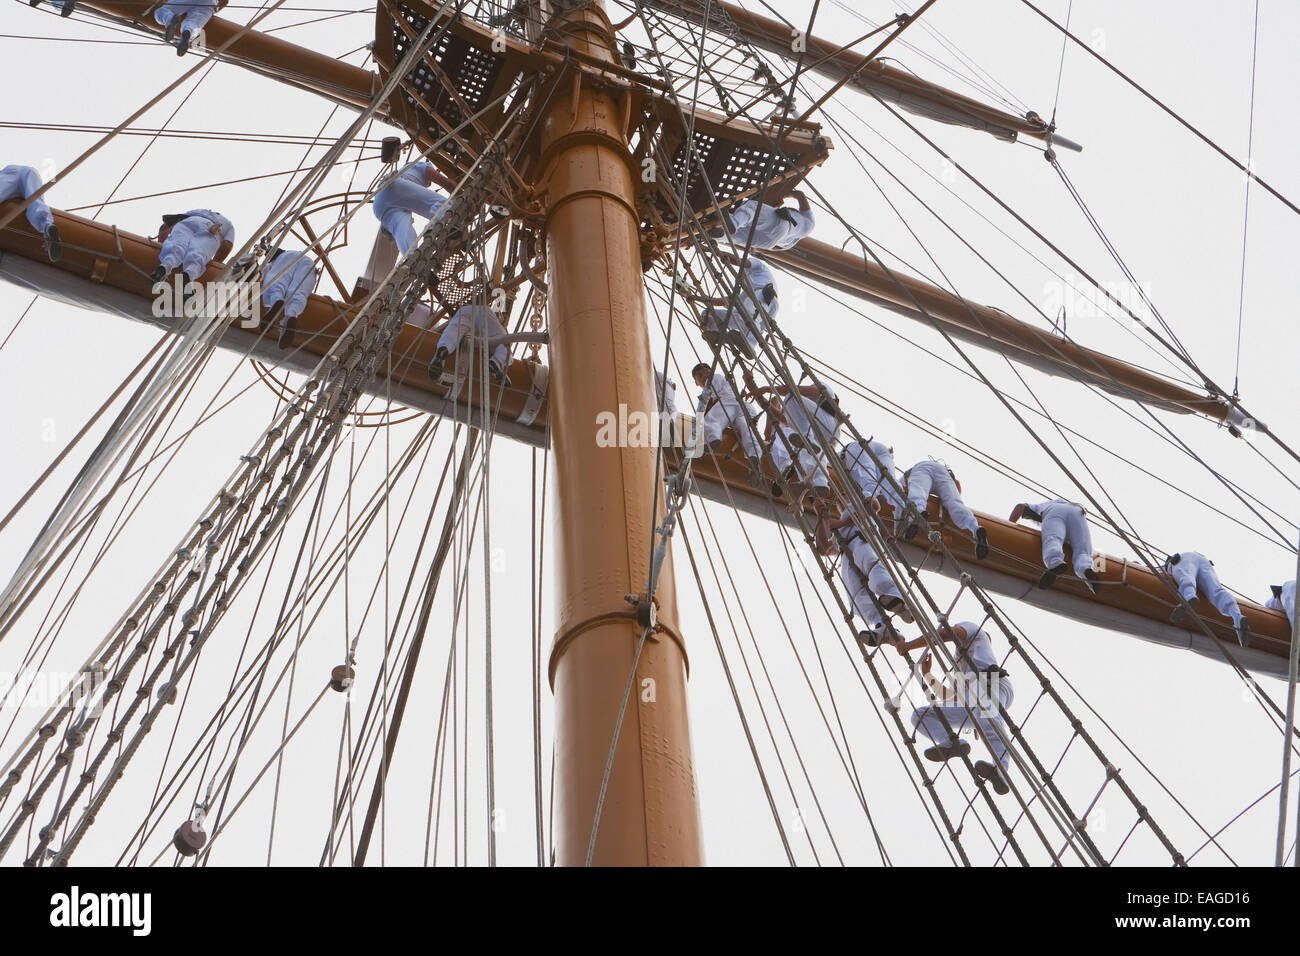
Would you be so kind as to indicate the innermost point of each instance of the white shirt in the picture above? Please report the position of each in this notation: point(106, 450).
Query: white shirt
point(976, 652)
point(721, 389)
point(774, 230)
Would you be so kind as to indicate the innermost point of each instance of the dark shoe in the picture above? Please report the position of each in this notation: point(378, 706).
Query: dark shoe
point(943, 754)
point(67, 8)
point(1243, 633)
point(184, 43)
point(436, 364)
point(498, 373)
point(776, 489)
point(712, 338)
point(1090, 579)
point(53, 247)
point(755, 476)
point(33, 3)
point(170, 33)
point(272, 315)
point(288, 332)
point(993, 774)
point(1179, 614)
point(1051, 574)
point(981, 543)
point(158, 275)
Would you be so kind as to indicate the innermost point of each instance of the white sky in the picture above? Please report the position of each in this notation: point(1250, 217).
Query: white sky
point(1172, 208)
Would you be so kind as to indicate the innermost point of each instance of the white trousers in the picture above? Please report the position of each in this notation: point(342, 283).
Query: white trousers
point(189, 247)
point(1193, 573)
point(19, 182)
point(721, 416)
point(196, 14)
point(398, 201)
point(864, 575)
point(810, 467)
point(930, 476)
point(926, 720)
point(289, 279)
point(476, 321)
point(1065, 523)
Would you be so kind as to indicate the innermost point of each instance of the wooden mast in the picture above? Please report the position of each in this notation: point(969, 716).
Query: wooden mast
point(601, 361)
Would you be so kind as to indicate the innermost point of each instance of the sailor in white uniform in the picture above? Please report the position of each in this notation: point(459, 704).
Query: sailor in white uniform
point(665, 393)
point(796, 445)
point(779, 227)
point(1063, 522)
point(189, 17)
point(1283, 599)
point(970, 698)
point(288, 278)
point(1193, 572)
point(933, 477)
point(408, 194)
point(65, 6)
point(863, 575)
point(756, 300)
point(481, 324)
point(863, 469)
point(724, 408)
point(19, 182)
point(192, 240)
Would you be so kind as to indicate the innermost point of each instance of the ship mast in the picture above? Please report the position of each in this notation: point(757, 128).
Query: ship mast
point(605, 497)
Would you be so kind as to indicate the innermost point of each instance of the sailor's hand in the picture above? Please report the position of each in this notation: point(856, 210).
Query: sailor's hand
point(875, 505)
point(1017, 511)
point(215, 229)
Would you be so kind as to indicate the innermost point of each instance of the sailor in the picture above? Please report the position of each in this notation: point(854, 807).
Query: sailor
point(190, 241)
point(862, 466)
point(666, 400)
point(725, 409)
point(1283, 599)
point(1063, 522)
point(864, 575)
point(187, 16)
point(933, 476)
point(1193, 572)
point(406, 195)
point(288, 278)
point(478, 322)
point(796, 444)
point(65, 6)
point(779, 227)
point(19, 182)
point(756, 303)
point(974, 695)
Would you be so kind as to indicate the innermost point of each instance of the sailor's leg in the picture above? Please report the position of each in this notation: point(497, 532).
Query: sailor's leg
point(1288, 601)
point(197, 18)
point(813, 470)
point(988, 692)
point(1080, 538)
point(1207, 579)
point(744, 432)
point(198, 253)
point(881, 583)
point(857, 592)
point(164, 14)
point(401, 227)
point(918, 487)
point(780, 453)
point(1053, 540)
point(1184, 575)
point(173, 249)
point(22, 184)
point(305, 279)
point(927, 722)
point(958, 513)
point(715, 420)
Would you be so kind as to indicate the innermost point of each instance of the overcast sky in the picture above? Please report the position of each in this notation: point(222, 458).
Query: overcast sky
point(1171, 206)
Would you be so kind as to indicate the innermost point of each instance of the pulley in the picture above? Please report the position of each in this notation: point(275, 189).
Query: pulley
point(341, 678)
point(189, 838)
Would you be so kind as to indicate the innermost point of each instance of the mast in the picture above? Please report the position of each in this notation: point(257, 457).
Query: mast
point(600, 360)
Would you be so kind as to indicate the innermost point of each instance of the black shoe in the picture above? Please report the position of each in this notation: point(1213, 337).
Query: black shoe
point(158, 275)
point(776, 490)
point(288, 331)
point(67, 8)
point(913, 527)
point(1243, 633)
point(53, 247)
point(498, 373)
point(33, 3)
point(755, 476)
point(1179, 614)
point(981, 543)
point(1051, 574)
point(1090, 579)
point(170, 33)
point(943, 754)
point(993, 775)
point(436, 364)
point(272, 315)
point(184, 43)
